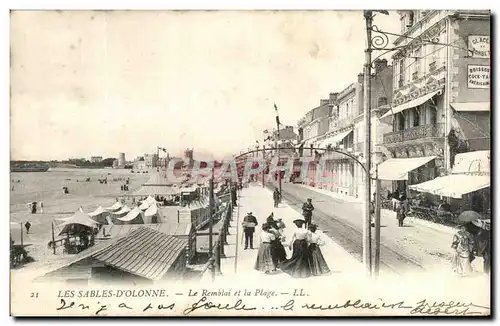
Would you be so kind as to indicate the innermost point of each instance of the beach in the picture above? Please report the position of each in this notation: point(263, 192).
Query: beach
point(46, 187)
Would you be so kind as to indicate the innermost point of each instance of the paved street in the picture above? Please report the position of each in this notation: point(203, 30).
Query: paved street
point(415, 247)
point(259, 201)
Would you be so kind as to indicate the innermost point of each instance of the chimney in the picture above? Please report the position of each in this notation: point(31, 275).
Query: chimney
point(333, 98)
point(324, 102)
point(380, 65)
point(361, 78)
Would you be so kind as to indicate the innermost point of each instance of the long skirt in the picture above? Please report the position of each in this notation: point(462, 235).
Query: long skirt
point(462, 264)
point(317, 261)
point(298, 265)
point(264, 262)
point(278, 252)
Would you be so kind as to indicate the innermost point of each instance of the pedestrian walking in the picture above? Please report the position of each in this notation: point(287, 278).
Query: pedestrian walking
point(265, 262)
point(463, 243)
point(307, 210)
point(33, 208)
point(249, 224)
point(316, 259)
point(298, 266)
point(400, 215)
point(27, 225)
point(276, 197)
point(41, 207)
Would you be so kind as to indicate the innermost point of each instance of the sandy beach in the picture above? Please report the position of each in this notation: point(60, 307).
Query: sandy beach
point(46, 187)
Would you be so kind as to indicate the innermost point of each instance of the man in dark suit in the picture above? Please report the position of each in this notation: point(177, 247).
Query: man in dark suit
point(276, 197)
point(307, 210)
point(249, 224)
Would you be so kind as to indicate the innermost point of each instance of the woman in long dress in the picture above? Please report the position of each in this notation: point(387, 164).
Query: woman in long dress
point(463, 243)
point(264, 262)
point(316, 260)
point(278, 252)
point(298, 265)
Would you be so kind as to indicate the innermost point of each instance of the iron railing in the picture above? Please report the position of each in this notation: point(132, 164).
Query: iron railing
point(420, 132)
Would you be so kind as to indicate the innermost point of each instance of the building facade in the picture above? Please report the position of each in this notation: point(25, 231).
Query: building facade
point(151, 160)
point(441, 92)
point(311, 128)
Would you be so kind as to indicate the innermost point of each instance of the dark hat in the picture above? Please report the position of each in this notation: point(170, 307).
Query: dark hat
point(309, 199)
point(313, 227)
point(299, 221)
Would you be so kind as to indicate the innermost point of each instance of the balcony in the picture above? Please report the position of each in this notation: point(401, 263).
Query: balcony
point(420, 132)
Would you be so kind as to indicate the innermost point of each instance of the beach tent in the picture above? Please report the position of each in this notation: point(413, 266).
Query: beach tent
point(79, 219)
point(151, 200)
point(133, 217)
point(124, 210)
point(99, 215)
point(116, 206)
point(145, 205)
point(151, 215)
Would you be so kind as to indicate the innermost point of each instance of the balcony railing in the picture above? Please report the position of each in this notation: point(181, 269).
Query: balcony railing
point(415, 133)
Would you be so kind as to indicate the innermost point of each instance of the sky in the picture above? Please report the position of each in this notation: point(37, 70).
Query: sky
point(96, 83)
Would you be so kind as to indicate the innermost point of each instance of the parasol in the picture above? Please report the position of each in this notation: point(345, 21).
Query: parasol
point(469, 216)
point(483, 224)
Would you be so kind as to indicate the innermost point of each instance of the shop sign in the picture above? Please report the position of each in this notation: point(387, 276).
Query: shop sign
point(478, 76)
point(479, 46)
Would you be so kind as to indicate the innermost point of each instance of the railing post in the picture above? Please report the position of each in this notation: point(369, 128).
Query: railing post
point(222, 243)
point(217, 258)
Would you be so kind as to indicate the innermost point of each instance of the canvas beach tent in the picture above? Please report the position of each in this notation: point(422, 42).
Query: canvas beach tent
point(151, 215)
point(133, 217)
point(79, 219)
point(99, 215)
point(116, 206)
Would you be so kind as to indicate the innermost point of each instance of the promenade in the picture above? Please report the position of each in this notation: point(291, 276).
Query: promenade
point(239, 263)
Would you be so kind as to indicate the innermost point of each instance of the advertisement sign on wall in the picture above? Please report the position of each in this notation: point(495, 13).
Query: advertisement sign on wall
point(479, 46)
point(478, 76)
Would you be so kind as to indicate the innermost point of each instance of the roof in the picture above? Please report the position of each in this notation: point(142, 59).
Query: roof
point(144, 252)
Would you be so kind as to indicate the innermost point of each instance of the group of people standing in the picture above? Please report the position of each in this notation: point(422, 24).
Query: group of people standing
point(306, 259)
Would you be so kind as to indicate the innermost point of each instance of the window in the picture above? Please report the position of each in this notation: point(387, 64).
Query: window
point(416, 116)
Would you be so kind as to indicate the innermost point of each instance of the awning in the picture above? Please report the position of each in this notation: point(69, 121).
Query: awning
point(472, 162)
point(398, 168)
point(411, 104)
point(471, 106)
point(453, 185)
point(335, 139)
